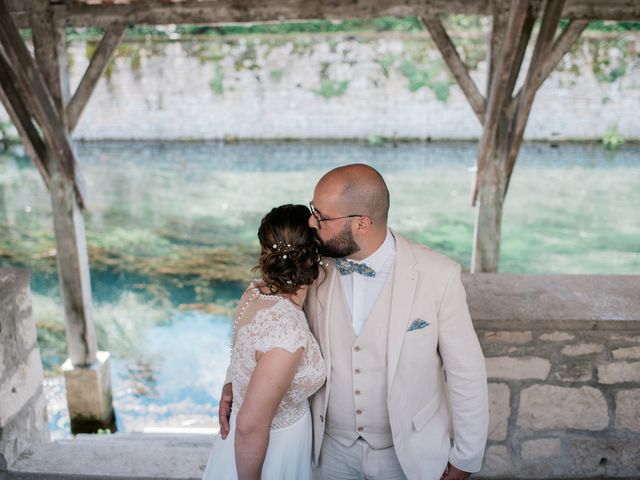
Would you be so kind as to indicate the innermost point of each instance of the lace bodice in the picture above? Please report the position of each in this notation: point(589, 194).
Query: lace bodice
point(264, 322)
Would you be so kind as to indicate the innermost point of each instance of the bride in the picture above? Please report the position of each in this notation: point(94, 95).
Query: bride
point(276, 363)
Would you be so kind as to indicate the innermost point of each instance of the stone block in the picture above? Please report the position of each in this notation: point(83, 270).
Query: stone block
point(628, 410)
point(499, 410)
point(549, 407)
point(574, 372)
point(518, 368)
point(497, 462)
point(541, 448)
point(26, 328)
point(619, 372)
point(626, 353)
point(89, 390)
point(17, 390)
point(508, 337)
point(582, 349)
point(630, 339)
point(602, 456)
point(556, 337)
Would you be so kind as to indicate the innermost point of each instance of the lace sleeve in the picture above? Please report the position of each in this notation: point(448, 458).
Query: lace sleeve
point(279, 328)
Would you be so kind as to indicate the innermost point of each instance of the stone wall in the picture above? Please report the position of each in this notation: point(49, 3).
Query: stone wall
point(23, 413)
point(563, 360)
point(342, 87)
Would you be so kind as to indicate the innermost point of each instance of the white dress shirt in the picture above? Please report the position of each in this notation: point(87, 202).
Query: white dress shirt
point(362, 292)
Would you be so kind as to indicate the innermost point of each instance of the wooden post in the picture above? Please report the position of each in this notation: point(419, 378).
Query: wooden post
point(503, 115)
point(87, 376)
point(73, 263)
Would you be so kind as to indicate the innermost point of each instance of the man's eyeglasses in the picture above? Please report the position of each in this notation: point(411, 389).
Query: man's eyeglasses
point(319, 218)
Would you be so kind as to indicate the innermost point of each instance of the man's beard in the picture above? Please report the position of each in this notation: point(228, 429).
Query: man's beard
point(342, 245)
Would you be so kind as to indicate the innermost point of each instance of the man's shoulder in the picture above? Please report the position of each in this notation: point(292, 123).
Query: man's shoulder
point(425, 258)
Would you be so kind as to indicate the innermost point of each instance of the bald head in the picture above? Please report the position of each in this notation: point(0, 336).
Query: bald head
point(360, 189)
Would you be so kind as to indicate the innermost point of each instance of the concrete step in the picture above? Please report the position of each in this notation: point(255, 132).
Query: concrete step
point(136, 456)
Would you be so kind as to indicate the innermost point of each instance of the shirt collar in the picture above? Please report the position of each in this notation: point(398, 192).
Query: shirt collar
point(376, 259)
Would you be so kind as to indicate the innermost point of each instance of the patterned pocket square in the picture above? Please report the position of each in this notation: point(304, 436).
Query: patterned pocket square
point(417, 324)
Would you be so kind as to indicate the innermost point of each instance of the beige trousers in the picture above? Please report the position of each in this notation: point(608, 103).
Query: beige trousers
point(357, 462)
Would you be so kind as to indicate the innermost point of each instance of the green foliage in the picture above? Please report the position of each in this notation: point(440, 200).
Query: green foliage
point(425, 77)
point(613, 139)
point(7, 134)
point(217, 83)
point(375, 140)
point(386, 63)
point(276, 74)
point(608, 26)
point(331, 88)
point(379, 24)
point(609, 58)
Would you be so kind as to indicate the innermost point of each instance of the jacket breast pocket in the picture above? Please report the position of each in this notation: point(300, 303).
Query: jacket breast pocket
point(426, 413)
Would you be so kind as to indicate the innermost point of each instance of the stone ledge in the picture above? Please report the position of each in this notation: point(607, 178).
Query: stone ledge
point(119, 456)
point(553, 302)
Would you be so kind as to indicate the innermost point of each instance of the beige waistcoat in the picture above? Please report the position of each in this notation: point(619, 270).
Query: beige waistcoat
point(358, 400)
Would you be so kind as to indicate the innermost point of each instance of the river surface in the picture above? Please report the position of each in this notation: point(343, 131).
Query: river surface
point(171, 236)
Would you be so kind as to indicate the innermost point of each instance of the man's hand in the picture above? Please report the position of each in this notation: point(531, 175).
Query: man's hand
point(453, 473)
point(224, 410)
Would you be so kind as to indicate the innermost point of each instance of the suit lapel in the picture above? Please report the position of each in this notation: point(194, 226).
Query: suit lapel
point(325, 297)
point(405, 279)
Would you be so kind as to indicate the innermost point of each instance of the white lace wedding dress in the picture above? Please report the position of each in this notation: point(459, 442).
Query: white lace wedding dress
point(264, 322)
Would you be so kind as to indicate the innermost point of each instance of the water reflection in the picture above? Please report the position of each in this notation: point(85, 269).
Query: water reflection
point(171, 237)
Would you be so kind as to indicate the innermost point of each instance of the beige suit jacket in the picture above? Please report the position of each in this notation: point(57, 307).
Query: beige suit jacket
point(432, 421)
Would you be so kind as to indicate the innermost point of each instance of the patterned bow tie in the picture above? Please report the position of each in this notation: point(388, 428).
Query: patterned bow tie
point(345, 267)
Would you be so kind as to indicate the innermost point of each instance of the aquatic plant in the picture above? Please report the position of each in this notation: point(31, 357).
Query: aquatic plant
point(613, 139)
point(375, 140)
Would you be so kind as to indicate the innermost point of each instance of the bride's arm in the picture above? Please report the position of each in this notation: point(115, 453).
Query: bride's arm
point(269, 382)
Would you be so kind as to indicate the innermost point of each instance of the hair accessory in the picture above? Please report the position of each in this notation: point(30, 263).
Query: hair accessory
point(284, 249)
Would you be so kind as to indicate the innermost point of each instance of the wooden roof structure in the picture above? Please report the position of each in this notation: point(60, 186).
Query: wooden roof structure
point(35, 93)
point(102, 13)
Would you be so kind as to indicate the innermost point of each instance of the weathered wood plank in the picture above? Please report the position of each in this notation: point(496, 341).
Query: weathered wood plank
point(160, 12)
point(73, 268)
point(498, 94)
point(99, 62)
point(456, 65)
point(50, 51)
point(44, 111)
point(21, 119)
point(499, 13)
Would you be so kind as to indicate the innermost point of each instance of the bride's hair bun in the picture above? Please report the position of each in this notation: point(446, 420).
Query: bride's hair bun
point(289, 253)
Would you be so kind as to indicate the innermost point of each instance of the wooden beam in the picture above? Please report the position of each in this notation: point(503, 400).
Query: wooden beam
point(560, 47)
point(101, 57)
point(21, 118)
point(50, 50)
point(498, 94)
point(547, 62)
point(162, 12)
point(499, 20)
point(38, 97)
point(456, 65)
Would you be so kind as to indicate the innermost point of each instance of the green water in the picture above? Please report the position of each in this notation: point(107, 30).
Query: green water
point(171, 237)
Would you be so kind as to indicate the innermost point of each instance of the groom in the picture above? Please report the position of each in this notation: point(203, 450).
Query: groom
point(406, 391)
